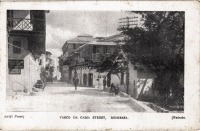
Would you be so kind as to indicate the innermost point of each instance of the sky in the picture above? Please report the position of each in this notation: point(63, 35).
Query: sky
point(64, 25)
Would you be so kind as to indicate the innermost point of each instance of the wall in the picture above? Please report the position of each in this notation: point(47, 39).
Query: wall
point(65, 74)
point(70, 47)
point(31, 72)
point(24, 45)
point(132, 80)
point(21, 14)
point(87, 52)
point(28, 77)
point(144, 84)
point(98, 56)
point(140, 83)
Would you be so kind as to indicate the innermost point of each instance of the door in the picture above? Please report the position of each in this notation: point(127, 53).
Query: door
point(85, 79)
point(90, 79)
point(108, 79)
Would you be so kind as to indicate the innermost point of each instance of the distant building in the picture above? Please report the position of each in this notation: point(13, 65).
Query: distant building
point(86, 59)
point(72, 44)
point(67, 48)
point(26, 32)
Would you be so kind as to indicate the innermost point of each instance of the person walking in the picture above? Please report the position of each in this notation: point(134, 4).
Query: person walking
point(116, 90)
point(75, 81)
point(43, 76)
point(112, 88)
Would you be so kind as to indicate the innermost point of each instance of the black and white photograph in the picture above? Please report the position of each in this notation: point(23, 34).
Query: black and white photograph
point(99, 65)
point(95, 61)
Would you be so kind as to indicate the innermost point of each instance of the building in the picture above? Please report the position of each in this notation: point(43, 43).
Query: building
point(86, 60)
point(26, 33)
point(67, 48)
point(72, 44)
point(135, 81)
point(89, 57)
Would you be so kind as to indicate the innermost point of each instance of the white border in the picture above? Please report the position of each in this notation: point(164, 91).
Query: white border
point(139, 121)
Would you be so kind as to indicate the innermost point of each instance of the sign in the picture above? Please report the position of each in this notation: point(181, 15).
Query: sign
point(15, 64)
point(14, 71)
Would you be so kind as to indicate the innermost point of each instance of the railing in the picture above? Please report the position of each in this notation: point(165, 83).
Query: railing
point(26, 24)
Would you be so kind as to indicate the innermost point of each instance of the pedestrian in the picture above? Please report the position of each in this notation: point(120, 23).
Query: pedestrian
point(112, 87)
point(75, 81)
point(116, 90)
point(104, 83)
point(43, 76)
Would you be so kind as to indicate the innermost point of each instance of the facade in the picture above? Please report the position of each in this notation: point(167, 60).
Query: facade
point(87, 61)
point(26, 32)
point(69, 47)
point(83, 59)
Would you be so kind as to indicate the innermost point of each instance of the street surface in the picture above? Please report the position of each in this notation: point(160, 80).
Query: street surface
point(61, 97)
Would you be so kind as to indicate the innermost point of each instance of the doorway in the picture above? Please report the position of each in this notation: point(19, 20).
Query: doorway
point(90, 79)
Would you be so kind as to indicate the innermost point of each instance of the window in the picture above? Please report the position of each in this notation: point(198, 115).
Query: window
point(106, 50)
point(142, 15)
point(96, 49)
point(122, 78)
point(40, 62)
point(74, 46)
point(16, 47)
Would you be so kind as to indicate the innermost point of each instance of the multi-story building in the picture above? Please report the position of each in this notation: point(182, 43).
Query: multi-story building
point(86, 59)
point(26, 33)
point(72, 44)
point(67, 48)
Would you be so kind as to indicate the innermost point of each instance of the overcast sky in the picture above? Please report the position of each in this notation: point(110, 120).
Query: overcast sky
point(64, 25)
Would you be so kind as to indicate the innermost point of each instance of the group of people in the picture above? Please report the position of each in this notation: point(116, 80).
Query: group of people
point(113, 90)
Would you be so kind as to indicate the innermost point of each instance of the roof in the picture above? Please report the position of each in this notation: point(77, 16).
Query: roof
point(64, 45)
point(48, 53)
point(84, 38)
point(84, 35)
point(94, 42)
point(115, 38)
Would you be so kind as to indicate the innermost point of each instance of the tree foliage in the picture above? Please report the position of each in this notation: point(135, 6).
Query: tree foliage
point(160, 44)
point(159, 47)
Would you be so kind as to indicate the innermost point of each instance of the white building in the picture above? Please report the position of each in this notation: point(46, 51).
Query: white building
point(26, 44)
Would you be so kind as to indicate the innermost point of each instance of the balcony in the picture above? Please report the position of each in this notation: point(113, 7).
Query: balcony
point(21, 24)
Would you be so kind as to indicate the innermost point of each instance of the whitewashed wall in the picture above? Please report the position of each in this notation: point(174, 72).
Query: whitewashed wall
point(29, 74)
point(28, 77)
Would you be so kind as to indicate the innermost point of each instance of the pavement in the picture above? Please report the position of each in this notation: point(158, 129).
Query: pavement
point(62, 97)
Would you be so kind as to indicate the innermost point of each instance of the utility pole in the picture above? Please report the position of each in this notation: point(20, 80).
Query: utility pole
point(125, 24)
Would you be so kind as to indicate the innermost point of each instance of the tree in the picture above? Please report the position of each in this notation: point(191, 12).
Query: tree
point(159, 47)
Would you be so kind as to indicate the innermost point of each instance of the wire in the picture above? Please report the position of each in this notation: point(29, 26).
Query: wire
point(18, 46)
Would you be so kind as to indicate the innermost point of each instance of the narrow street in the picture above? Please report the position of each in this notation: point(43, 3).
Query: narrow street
point(62, 97)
